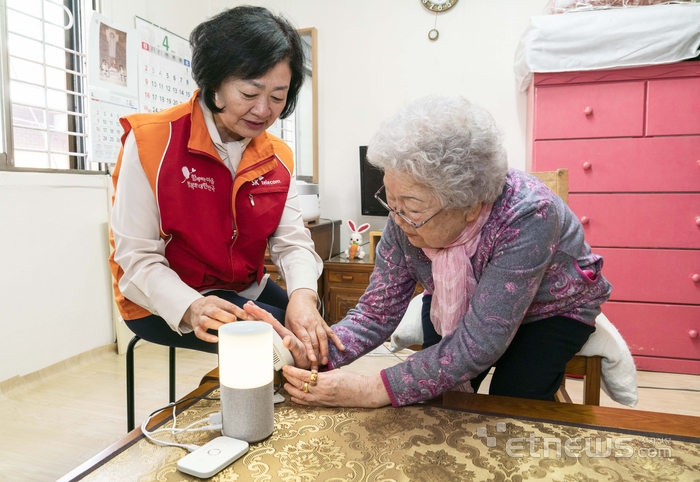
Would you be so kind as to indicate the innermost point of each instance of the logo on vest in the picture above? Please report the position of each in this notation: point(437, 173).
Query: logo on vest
point(264, 182)
point(197, 182)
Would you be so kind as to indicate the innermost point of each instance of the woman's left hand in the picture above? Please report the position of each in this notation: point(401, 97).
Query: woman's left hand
point(335, 388)
point(305, 321)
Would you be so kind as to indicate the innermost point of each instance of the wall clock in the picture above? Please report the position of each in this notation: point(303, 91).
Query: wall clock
point(438, 5)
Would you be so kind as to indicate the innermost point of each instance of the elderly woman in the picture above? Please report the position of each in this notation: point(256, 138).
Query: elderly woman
point(513, 283)
point(201, 190)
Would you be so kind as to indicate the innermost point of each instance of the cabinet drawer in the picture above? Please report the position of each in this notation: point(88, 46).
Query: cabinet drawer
point(639, 220)
point(666, 164)
point(589, 110)
point(342, 300)
point(349, 277)
point(657, 330)
point(652, 275)
point(673, 107)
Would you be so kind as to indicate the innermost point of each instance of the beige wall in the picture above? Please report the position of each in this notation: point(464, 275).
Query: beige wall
point(55, 288)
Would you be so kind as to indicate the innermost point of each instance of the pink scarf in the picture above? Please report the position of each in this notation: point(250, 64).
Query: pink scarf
point(453, 275)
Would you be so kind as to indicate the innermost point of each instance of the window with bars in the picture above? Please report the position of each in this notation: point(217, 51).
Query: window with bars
point(44, 68)
point(288, 131)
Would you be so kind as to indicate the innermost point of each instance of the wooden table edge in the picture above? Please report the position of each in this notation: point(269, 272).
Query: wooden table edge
point(610, 418)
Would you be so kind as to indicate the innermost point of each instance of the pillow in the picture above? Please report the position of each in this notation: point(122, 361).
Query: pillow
point(410, 329)
point(618, 372)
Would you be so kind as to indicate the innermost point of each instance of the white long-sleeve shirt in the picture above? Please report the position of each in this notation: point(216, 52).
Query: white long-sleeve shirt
point(140, 251)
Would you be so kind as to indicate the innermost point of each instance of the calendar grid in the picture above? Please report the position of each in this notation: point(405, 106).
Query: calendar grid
point(105, 111)
point(164, 68)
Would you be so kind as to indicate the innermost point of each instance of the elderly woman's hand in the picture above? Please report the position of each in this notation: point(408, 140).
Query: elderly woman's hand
point(335, 388)
point(305, 321)
point(289, 340)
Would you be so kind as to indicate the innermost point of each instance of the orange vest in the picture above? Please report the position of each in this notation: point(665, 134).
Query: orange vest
point(215, 226)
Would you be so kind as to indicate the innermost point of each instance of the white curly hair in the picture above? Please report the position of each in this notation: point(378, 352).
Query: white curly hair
point(447, 144)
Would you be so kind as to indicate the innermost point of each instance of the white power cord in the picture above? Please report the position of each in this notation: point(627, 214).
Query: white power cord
point(215, 423)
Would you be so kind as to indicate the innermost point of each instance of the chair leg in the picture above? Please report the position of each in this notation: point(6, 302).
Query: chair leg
point(591, 382)
point(172, 374)
point(562, 395)
point(130, 383)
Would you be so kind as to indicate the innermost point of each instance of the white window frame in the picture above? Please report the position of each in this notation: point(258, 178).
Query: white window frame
point(77, 134)
point(6, 142)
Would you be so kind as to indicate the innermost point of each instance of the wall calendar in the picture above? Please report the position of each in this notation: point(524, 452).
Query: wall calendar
point(113, 85)
point(165, 75)
point(142, 69)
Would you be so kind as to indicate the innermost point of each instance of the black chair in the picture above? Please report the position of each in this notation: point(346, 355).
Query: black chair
point(130, 380)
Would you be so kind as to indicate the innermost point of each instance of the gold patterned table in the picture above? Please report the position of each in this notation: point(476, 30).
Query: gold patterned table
point(463, 437)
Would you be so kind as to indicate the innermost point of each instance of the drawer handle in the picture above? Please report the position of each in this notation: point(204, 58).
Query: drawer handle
point(695, 277)
point(588, 110)
point(585, 220)
point(697, 220)
point(693, 334)
point(587, 166)
point(347, 277)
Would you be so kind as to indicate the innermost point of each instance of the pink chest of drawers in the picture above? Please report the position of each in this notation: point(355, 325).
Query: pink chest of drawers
point(631, 141)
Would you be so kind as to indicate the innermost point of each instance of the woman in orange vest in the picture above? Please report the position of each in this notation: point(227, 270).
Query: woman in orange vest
point(201, 190)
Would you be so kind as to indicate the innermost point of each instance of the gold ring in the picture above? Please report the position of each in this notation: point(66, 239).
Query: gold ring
point(314, 378)
point(306, 387)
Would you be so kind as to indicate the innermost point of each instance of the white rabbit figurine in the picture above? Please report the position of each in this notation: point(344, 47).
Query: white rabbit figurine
point(355, 250)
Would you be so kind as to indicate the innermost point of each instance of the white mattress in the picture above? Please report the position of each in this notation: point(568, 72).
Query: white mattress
point(608, 39)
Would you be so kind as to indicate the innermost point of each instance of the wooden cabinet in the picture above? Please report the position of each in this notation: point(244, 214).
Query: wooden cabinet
point(344, 282)
point(326, 237)
point(631, 141)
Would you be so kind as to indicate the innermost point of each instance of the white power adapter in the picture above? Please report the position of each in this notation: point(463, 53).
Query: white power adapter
point(212, 457)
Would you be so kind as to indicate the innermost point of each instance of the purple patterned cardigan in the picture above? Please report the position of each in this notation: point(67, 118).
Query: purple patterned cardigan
point(531, 263)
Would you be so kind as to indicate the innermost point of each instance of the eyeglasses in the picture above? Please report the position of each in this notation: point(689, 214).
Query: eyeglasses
point(401, 215)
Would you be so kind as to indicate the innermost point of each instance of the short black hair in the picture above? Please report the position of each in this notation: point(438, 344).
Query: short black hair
point(245, 42)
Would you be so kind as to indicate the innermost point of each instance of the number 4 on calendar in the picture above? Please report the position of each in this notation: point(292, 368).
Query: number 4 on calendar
point(165, 43)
